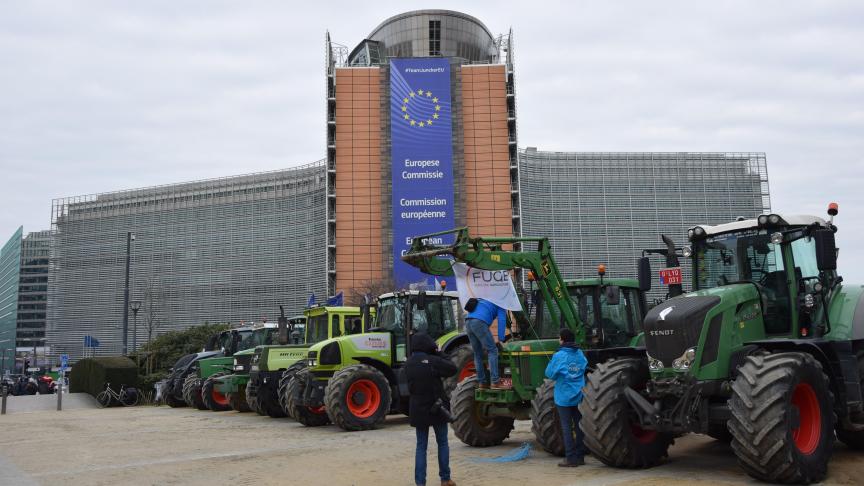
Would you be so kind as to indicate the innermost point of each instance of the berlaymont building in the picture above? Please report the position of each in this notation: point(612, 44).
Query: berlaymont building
point(419, 135)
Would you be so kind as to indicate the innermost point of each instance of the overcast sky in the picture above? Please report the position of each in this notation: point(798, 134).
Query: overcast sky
point(101, 96)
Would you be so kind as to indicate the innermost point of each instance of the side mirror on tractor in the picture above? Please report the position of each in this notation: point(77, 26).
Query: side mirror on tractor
point(421, 300)
point(826, 250)
point(644, 273)
point(613, 294)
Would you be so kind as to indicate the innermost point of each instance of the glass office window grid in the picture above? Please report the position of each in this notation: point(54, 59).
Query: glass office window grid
point(221, 250)
point(10, 269)
point(33, 289)
point(608, 207)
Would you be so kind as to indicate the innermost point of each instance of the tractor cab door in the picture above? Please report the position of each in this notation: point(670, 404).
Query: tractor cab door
point(808, 287)
point(761, 261)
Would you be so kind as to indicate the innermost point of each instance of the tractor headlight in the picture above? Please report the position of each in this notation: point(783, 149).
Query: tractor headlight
point(238, 367)
point(763, 220)
point(684, 362)
point(777, 238)
point(687, 252)
point(312, 363)
point(699, 231)
point(774, 219)
point(654, 365)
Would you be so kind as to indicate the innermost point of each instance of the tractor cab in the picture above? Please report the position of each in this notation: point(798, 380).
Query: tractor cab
point(436, 313)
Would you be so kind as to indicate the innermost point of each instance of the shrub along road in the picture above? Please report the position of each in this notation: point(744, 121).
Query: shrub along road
point(160, 445)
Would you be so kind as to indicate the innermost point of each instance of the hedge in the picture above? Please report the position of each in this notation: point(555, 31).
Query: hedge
point(89, 375)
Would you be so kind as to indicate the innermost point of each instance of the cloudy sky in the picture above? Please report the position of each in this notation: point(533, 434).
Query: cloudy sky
point(101, 96)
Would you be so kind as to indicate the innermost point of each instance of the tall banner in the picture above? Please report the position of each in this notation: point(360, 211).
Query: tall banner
point(422, 157)
point(496, 286)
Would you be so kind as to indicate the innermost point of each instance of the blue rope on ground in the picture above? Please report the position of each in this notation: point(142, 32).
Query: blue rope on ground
point(518, 454)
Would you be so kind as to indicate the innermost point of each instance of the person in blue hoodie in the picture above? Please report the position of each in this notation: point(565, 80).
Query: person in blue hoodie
point(567, 370)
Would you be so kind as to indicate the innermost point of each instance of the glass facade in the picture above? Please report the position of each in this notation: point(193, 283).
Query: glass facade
point(607, 207)
point(10, 269)
point(33, 289)
point(223, 250)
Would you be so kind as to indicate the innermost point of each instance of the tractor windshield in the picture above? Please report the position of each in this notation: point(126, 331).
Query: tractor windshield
point(260, 337)
point(437, 319)
point(737, 257)
point(317, 329)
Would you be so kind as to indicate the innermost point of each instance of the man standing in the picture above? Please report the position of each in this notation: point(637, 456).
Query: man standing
point(567, 369)
point(477, 326)
point(424, 370)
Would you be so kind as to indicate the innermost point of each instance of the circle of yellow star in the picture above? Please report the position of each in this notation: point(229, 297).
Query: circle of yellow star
point(407, 101)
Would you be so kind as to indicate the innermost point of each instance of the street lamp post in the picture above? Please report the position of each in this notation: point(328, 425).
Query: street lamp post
point(130, 237)
point(135, 305)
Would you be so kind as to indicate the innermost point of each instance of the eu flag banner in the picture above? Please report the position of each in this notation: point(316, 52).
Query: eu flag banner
point(422, 156)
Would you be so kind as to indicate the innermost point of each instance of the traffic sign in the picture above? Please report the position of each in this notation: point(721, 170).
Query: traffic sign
point(671, 276)
point(64, 362)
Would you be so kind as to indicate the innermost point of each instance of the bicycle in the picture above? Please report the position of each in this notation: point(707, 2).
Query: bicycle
point(128, 396)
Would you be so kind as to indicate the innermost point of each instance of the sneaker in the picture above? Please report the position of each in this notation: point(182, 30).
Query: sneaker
point(576, 463)
point(449, 482)
point(483, 386)
point(499, 386)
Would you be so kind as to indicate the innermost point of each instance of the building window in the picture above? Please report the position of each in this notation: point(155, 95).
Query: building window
point(434, 37)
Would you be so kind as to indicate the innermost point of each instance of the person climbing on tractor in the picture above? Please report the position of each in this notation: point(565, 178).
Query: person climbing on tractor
point(567, 369)
point(481, 314)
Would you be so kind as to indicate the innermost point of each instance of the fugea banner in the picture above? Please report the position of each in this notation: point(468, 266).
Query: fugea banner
point(422, 157)
point(495, 286)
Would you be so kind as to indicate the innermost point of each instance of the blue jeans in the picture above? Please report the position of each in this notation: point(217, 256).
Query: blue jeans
point(570, 417)
point(443, 453)
point(481, 338)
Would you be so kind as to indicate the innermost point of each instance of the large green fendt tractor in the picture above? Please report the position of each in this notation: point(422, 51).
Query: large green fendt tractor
point(485, 417)
point(769, 346)
point(354, 381)
point(269, 363)
point(228, 389)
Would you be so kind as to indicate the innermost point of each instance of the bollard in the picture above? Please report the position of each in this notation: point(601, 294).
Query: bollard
point(60, 394)
point(4, 393)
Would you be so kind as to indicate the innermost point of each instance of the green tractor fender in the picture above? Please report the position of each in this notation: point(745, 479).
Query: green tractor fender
point(382, 367)
point(454, 342)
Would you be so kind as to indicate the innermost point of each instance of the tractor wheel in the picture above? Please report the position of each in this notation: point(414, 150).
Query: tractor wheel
point(545, 423)
point(268, 401)
point(612, 431)
point(283, 386)
point(192, 392)
point(173, 401)
point(855, 438)
point(252, 400)
point(357, 397)
point(463, 358)
point(238, 402)
point(472, 425)
point(782, 418)
point(308, 416)
point(215, 401)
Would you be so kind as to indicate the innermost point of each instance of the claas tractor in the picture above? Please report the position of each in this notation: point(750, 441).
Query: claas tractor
point(354, 381)
point(605, 315)
point(268, 363)
point(768, 350)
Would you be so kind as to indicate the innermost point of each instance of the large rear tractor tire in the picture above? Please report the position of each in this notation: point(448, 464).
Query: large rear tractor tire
point(357, 397)
point(308, 416)
point(463, 358)
point(238, 402)
point(172, 401)
point(192, 392)
point(782, 418)
point(545, 423)
point(472, 425)
point(855, 438)
point(287, 375)
point(612, 431)
point(252, 400)
point(215, 401)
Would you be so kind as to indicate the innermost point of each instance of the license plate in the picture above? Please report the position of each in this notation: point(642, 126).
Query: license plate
point(507, 382)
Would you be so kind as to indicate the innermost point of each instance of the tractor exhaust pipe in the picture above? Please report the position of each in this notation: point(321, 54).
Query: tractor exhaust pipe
point(282, 326)
point(671, 262)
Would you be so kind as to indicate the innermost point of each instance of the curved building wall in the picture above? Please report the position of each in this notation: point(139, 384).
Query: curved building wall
point(222, 250)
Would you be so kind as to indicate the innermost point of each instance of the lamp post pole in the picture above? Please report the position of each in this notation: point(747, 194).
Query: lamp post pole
point(135, 305)
point(129, 239)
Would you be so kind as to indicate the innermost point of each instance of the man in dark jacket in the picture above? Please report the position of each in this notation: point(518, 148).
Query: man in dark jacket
point(424, 370)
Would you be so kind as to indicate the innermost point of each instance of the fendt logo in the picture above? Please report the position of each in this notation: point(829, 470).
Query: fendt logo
point(662, 332)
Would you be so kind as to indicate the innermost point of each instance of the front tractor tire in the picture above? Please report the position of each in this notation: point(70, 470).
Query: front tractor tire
point(473, 426)
point(611, 427)
point(782, 418)
point(215, 401)
point(357, 397)
point(306, 415)
point(192, 392)
point(545, 422)
point(287, 375)
point(238, 401)
point(463, 358)
point(855, 438)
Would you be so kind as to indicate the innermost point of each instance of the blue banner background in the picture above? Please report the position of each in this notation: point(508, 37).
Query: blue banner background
point(422, 196)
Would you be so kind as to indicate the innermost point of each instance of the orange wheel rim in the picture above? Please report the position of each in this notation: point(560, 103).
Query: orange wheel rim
point(363, 398)
point(806, 436)
point(468, 370)
point(320, 410)
point(219, 398)
point(642, 435)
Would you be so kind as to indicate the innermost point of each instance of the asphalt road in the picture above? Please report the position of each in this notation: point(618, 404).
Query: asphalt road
point(164, 446)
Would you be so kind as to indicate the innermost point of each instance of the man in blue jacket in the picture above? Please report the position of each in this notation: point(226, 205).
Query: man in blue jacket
point(477, 327)
point(567, 369)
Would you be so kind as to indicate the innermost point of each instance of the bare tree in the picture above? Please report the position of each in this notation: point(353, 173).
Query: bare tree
point(372, 288)
point(154, 304)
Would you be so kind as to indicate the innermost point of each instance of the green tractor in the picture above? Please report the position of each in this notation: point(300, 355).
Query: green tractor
point(354, 381)
point(768, 348)
point(269, 363)
point(211, 370)
point(605, 314)
point(227, 390)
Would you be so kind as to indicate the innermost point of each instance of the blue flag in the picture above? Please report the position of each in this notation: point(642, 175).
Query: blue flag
point(91, 342)
point(336, 300)
point(311, 300)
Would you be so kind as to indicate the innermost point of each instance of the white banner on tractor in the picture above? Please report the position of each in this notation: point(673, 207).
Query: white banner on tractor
point(494, 286)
